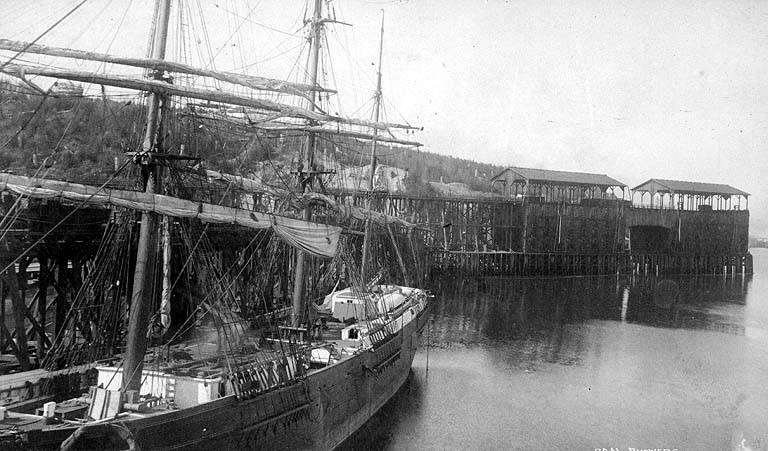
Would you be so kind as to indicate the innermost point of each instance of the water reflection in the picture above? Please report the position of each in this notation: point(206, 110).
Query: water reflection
point(585, 363)
point(479, 310)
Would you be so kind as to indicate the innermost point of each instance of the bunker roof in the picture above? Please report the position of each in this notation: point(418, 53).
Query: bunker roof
point(558, 177)
point(682, 187)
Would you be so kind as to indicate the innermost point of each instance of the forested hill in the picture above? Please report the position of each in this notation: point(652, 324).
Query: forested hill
point(431, 167)
point(80, 139)
point(72, 138)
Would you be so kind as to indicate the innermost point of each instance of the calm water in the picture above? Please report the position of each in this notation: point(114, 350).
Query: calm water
point(585, 363)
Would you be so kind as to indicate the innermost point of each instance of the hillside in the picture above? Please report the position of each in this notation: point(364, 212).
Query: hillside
point(82, 139)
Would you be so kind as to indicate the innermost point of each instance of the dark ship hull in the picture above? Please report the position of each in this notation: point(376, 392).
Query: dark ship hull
point(319, 411)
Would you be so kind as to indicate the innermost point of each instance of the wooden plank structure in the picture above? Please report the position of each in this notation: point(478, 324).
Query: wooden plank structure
point(550, 264)
point(45, 270)
point(561, 230)
point(560, 223)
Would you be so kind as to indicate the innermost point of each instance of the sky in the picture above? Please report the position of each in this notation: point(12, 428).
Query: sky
point(634, 89)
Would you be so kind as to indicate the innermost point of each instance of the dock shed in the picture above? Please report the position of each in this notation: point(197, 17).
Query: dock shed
point(682, 195)
point(543, 185)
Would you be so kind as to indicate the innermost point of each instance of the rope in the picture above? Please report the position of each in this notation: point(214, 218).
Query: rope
point(47, 30)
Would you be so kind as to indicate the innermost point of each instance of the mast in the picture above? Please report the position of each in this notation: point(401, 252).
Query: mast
point(307, 174)
point(143, 279)
point(376, 107)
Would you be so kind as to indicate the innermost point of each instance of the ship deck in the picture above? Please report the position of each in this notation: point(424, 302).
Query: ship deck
point(194, 358)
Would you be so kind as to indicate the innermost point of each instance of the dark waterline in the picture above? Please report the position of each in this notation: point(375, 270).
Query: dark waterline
point(585, 363)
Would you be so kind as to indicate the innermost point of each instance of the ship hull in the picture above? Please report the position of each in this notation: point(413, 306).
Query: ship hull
point(318, 412)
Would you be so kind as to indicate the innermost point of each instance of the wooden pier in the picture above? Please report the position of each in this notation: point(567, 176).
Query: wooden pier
point(545, 235)
point(552, 264)
point(49, 268)
point(593, 236)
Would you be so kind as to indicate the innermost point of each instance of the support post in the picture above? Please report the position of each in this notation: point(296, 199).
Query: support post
point(406, 278)
point(11, 279)
point(42, 296)
point(61, 297)
point(2, 312)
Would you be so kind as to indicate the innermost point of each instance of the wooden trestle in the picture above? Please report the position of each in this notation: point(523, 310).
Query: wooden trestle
point(594, 236)
point(45, 270)
point(472, 236)
point(553, 264)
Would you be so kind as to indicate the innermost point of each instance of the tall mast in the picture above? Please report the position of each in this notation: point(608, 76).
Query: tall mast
point(376, 107)
point(307, 173)
point(143, 278)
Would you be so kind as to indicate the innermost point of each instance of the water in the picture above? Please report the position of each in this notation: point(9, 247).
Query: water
point(586, 363)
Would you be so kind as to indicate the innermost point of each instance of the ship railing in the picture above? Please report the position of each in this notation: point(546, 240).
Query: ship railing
point(256, 378)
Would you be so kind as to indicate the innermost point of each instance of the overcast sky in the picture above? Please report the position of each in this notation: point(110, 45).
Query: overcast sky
point(634, 89)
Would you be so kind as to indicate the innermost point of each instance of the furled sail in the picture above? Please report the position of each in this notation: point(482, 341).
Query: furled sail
point(282, 128)
point(344, 211)
point(161, 87)
point(250, 81)
point(244, 183)
point(317, 239)
point(348, 133)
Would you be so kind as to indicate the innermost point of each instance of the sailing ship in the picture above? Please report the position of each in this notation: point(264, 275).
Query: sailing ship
point(241, 370)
